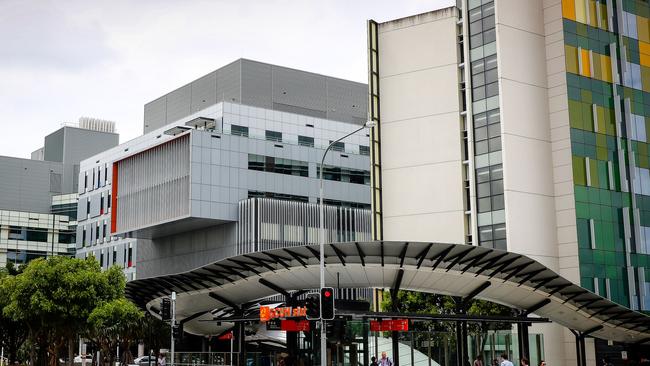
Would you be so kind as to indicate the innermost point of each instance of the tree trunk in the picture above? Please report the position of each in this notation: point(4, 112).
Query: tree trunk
point(71, 351)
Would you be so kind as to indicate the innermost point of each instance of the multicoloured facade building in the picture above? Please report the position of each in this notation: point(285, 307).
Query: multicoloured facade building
point(607, 50)
point(520, 125)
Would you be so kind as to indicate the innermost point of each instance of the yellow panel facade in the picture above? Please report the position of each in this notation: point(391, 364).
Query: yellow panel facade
point(571, 54)
point(569, 9)
point(581, 11)
point(586, 63)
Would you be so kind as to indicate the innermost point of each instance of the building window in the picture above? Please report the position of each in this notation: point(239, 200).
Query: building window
point(346, 204)
point(83, 237)
point(114, 255)
point(364, 150)
point(130, 261)
point(66, 238)
point(97, 231)
point(101, 204)
point(85, 181)
point(17, 233)
point(104, 229)
point(239, 130)
point(305, 141)
point(274, 136)
point(101, 258)
point(277, 196)
point(36, 234)
point(337, 146)
point(493, 236)
point(347, 175)
point(278, 165)
point(108, 203)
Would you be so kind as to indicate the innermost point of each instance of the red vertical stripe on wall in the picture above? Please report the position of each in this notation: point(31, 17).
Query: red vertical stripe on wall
point(114, 200)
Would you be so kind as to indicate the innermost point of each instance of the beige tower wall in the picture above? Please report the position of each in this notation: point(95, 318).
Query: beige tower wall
point(421, 134)
point(536, 147)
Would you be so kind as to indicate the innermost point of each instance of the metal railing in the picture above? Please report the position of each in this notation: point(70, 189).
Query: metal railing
point(206, 358)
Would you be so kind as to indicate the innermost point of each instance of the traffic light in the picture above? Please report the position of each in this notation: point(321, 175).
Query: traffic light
point(166, 309)
point(312, 302)
point(327, 298)
point(177, 331)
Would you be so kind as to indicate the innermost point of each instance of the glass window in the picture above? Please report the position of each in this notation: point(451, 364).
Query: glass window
point(488, 22)
point(493, 116)
point(496, 172)
point(478, 80)
point(348, 175)
point(478, 93)
point(497, 186)
point(305, 141)
point(481, 147)
point(480, 133)
point(239, 130)
point(483, 175)
point(491, 76)
point(489, 36)
point(480, 120)
point(490, 62)
point(484, 205)
point(494, 130)
point(485, 233)
point(337, 146)
point(495, 144)
point(475, 27)
point(475, 14)
point(278, 165)
point(497, 202)
point(476, 41)
point(274, 136)
point(36, 234)
point(483, 189)
point(488, 9)
point(17, 233)
point(492, 90)
point(364, 150)
point(478, 67)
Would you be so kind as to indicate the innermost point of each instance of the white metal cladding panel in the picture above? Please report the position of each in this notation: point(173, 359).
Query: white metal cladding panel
point(228, 82)
point(204, 92)
point(178, 103)
point(155, 114)
point(256, 84)
point(266, 223)
point(153, 186)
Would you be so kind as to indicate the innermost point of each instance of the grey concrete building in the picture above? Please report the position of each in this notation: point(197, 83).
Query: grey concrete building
point(38, 196)
point(194, 188)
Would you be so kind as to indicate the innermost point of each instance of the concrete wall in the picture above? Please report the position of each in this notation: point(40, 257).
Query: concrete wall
point(262, 85)
point(421, 133)
point(185, 251)
point(28, 185)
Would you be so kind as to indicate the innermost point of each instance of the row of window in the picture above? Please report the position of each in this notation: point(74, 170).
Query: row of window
point(277, 196)
point(347, 175)
point(96, 178)
point(276, 136)
point(99, 230)
point(278, 165)
point(301, 168)
point(107, 259)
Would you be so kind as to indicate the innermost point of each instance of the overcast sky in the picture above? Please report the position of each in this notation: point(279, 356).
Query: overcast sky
point(62, 59)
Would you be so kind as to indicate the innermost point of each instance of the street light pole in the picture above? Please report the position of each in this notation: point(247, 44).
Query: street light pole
point(323, 333)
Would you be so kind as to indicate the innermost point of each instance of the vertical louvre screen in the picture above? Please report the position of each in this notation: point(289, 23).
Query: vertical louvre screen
point(153, 186)
point(266, 223)
point(375, 144)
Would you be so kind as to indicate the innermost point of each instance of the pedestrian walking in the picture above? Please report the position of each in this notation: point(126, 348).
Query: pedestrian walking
point(505, 361)
point(478, 361)
point(385, 360)
point(373, 361)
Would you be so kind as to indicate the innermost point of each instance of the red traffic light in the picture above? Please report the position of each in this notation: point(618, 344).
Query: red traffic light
point(327, 293)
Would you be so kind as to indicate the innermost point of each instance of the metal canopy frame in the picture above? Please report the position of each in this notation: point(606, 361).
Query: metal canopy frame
point(471, 261)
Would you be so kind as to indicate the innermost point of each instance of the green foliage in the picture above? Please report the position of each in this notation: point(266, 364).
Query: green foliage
point(116, 322)
point(54, 298)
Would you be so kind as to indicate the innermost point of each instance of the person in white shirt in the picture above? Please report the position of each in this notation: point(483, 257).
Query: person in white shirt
point(505, 361)
point(384, 360)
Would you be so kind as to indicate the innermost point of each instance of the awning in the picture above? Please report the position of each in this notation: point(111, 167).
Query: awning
point(452, 269)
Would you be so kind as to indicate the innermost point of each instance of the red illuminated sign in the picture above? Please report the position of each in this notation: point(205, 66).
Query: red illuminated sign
point(295, 325)
point(388, 325)
point(267, 313)
point(225, 337)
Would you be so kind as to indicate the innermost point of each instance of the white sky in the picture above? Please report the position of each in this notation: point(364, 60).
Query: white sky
point(63, 59)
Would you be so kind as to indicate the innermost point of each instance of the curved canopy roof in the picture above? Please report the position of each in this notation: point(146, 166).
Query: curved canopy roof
point(453, 269)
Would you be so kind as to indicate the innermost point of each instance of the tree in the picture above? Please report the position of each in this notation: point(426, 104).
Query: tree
point(54, 298)
point(115, 322)
point(12, 333)
point(426, 303)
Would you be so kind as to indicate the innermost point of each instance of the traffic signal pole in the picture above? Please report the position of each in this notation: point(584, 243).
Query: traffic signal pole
point(173, 323)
